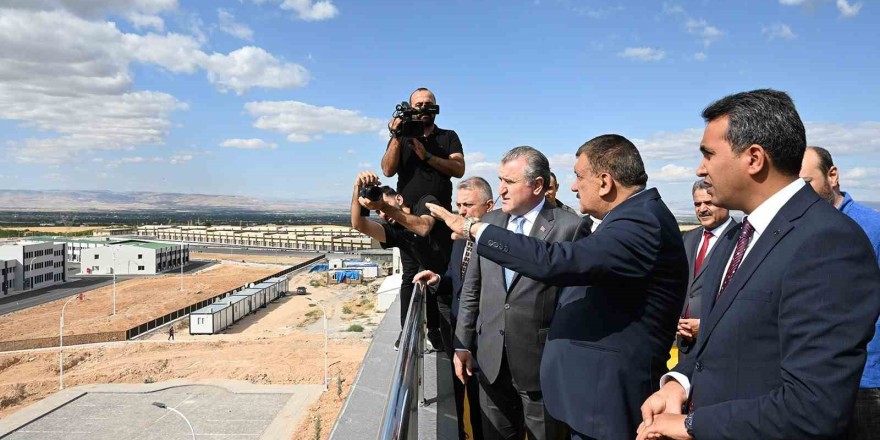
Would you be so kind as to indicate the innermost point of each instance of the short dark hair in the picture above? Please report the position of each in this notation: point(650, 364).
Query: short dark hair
point(615, 155)
point(422, 89)
point(553, 178)
point(825, 161)
point(388, 191)
point(699, 184)
point(537, 164)
point(765, 117)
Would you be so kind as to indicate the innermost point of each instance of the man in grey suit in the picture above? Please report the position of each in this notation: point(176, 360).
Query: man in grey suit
point(508, 314)
point(699, 245)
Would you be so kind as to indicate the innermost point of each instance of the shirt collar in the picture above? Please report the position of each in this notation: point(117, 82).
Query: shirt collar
point(532, 215)
point(761, 217)
point(717, 231)
point(847, 199)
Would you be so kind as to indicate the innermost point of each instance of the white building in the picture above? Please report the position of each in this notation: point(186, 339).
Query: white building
point(75, 246)
point(7, 276)
point(37, 265)
point(133, 257)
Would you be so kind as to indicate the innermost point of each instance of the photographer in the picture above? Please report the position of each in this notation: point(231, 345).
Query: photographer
point(424, 164)
point(413, 230)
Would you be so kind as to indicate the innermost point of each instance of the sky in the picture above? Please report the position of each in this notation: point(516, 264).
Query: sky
point(289, 99)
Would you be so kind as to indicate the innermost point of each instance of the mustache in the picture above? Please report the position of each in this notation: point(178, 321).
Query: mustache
point(704, 213)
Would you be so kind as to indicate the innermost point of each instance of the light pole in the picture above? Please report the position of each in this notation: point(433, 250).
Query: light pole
point(164, 406)
point(114, 280)
point(181, 268)
point(326, 373)
point(30, 268)
point(61, 342)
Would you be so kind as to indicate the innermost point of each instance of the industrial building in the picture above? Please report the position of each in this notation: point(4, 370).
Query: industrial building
point(30, 265)
point(75, 246)
point(133, 257)
point(310, 238)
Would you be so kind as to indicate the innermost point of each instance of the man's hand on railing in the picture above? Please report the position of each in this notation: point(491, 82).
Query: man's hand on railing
point(463, 365)
point(427, 277)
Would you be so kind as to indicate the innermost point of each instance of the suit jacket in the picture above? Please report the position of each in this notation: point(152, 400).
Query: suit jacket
point(609, 340)
point(516, 319)
point(692, 301)
point(781, 350)
point(451, 281)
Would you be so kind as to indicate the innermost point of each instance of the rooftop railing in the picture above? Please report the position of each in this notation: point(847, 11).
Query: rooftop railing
point(401, 420)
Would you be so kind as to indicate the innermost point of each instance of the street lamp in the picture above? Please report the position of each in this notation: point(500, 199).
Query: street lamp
point(114, 280)
point(326, 373)
point(164, 406)
point(61, 342)
point(181, 268)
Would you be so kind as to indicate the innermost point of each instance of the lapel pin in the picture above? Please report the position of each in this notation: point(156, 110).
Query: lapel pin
point(542, 229)
point(776, 232)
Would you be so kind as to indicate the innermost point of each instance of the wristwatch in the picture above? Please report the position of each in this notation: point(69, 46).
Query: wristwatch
point(466, 229)
point(428, 155)
point(689, 424)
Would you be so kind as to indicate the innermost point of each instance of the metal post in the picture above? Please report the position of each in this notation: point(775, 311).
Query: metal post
point(181, 268)
point(61, 343)
point(114, 280)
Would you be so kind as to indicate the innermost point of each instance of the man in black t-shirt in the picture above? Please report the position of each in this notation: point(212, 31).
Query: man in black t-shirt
point(419, 236)
point(426, 164)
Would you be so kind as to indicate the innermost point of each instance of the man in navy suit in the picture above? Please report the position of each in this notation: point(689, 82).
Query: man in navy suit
point(473, 199)
point(699, 245)
point(782, 340)
point(608, 342)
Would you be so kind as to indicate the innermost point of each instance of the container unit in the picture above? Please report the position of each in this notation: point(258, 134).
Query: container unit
point(211, 319)
point(283, 285)
point(271, 290)
point(240, 305)
point(256, 297)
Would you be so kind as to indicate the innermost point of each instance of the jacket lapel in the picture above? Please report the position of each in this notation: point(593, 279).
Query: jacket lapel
point(776, 231)
point(707, 258)
point(541, 228)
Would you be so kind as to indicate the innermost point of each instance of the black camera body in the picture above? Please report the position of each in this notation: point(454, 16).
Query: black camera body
point(410, 126)
point(371, 192)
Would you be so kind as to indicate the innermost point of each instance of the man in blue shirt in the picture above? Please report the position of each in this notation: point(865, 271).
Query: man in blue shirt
point(819, 171)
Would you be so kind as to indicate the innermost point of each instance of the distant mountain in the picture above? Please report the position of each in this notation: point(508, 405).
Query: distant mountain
point(59, 200)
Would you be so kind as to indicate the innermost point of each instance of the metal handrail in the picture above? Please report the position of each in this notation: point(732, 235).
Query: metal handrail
point(401, 411)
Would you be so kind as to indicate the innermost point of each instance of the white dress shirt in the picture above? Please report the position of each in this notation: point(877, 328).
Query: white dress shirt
point(760, 218)
point(714, 238)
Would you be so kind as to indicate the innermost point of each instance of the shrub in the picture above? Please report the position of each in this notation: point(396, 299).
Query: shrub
point(355, 328)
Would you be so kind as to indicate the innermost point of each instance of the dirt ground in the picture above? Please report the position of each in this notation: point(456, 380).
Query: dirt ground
point(54, 229)
point(274, 259)
point(137, 301)
point(279, 344)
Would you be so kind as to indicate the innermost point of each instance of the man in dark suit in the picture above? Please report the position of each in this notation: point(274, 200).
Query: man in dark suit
point(699, 245)
point(783, 338)
point(507, 314)
point(473, 199)
point(609, 340)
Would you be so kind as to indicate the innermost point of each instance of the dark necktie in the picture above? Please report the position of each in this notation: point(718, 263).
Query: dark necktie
point(742, 244)
point(466, 258)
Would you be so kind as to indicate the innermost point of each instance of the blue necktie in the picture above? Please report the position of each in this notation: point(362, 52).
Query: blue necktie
point(508, 274)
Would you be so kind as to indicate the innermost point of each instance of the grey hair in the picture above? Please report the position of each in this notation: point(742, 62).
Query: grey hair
point(478, 184)
point(699, 184)
point(537, 164)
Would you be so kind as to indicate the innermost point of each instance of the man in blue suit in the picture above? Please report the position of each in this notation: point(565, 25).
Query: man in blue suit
point(608, 342)
point(787, 315)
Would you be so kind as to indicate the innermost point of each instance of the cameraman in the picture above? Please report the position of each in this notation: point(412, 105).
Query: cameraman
point(413, 230)
point(425, 164)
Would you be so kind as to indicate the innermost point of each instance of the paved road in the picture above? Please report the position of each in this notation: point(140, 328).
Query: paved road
point(21, 301)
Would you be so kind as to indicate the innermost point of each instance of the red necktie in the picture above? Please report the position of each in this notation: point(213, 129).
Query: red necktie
point(741, 245)
point(707, 235)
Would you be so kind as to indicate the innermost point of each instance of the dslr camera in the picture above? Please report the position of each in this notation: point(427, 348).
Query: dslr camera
point(412, 125)
point(371, 192)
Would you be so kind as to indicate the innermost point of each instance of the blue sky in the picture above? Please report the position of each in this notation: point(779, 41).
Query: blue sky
point(288, 99)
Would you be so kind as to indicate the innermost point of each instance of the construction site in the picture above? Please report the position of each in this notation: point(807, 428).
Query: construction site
point(282, 344)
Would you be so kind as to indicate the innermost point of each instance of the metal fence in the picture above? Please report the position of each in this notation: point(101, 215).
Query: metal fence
point(149, 325)
point(401, 420)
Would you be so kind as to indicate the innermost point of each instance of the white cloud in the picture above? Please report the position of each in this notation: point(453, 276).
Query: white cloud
point(793, 2)
point(700, 56)
point(365, 165)
point(845, 138)
point(180, 159)
point(144, 21)
point(474, 157)
point(302, 122)
point(674, 173)
point(665, 145)
point(249, 144)
point(863, 178)
point(848, 10)
point(228, 24)
point(308, 10)
point(700, 28)
point(311, 10)
point(92, 9)
point(250, 67)
point(350, 151)
point(778, 30)
point(135, 159)
point(562, 163)
point(643, 53)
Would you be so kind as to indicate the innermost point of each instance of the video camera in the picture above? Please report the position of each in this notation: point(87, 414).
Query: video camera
point(410, 125)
